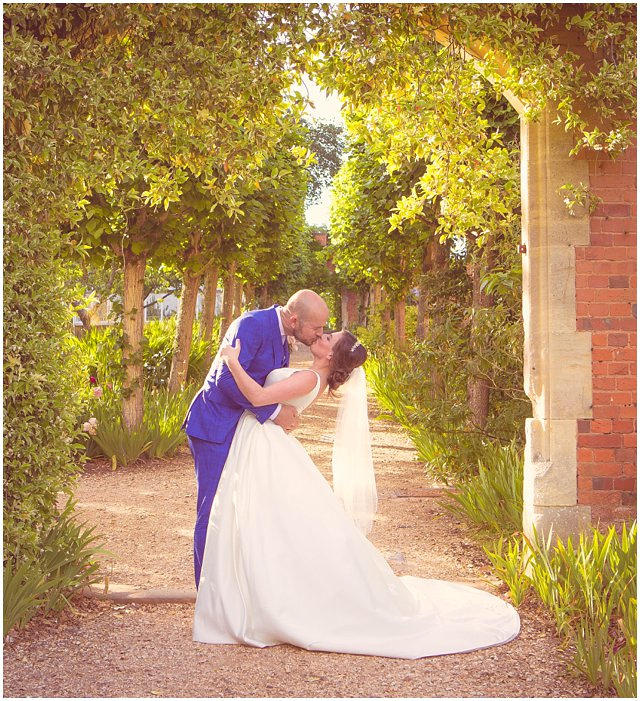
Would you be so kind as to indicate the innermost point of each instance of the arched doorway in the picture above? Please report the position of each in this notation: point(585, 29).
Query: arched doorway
point(579, 308)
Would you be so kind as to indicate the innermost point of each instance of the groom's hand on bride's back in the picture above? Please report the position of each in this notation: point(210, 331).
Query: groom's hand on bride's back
point(287, 418)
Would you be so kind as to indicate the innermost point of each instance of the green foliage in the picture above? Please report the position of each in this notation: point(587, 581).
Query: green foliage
point(326, 141)
point(100, 351)
point(362, 247)
point(44, 581)
point(40, 367)
point(590, 588)
point(159, 436)
point(491, 501)
point(158, 350)
point(163, 417)
point(425, 390)
point(510, 564)
point(116, 441)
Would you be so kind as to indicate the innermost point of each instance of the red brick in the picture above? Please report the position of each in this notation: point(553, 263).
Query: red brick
point(624, 426)
point(602, 483)
point(602, 440)
point(627, 412)
point(624, 353)
point(585, 295)
point(624, 240)
point(620, 309)
point(618, 339)
point(606, 498)
point(612, 179)
point(630, 440)
point(599, 339)
point(617, 226)
point(626, 383)
point(601, 426)
point(602, 399)
point(598, 281)
point(600, 324)
point(598, 309)
point(604, 383)
point(624, 484)
point(629, 469)
point(599, 367)
point(601, 469)
point(585, 267)
point(598, 239)
point(604, 455)
point(625, 455)
point(585, 484)
point(617, 368)
point(626, 324)
point(602, 354)
point(618, 281)
point(630, 500)
point(615, 294)
point(584, 425)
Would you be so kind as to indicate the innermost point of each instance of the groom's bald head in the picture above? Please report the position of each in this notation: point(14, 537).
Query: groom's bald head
point(305, 315)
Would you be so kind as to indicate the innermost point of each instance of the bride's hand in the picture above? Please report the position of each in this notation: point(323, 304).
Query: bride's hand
point(228, 353)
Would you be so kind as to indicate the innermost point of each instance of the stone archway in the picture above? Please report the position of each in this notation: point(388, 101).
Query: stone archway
point(580, 449)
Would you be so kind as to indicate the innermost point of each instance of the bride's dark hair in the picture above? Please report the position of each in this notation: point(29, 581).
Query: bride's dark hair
point(348, 354)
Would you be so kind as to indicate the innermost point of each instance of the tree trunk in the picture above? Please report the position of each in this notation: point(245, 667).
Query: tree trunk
point(264, 298)
point(237, 299)
point(374, 300)
point(399, 319)
point(249, 296)
point(133, 328)
point(363, 307)
point(227, 300)
point(478, 388)
point(83, 314)
point(184, 332)
point(209, 303)
point(386, 314)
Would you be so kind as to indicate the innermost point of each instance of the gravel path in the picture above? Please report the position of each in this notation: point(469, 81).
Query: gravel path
point(145, 511)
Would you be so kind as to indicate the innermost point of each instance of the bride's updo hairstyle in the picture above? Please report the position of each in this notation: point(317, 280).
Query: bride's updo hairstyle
point(348, 354)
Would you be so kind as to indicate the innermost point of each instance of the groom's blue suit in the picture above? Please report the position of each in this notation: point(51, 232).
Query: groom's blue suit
point(215, 411)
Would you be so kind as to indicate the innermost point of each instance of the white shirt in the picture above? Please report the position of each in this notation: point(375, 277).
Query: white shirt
point(284, 337)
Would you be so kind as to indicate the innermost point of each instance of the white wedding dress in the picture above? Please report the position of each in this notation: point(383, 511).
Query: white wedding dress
point(283, 563)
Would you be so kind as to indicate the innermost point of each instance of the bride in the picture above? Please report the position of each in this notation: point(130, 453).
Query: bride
point(286, 558)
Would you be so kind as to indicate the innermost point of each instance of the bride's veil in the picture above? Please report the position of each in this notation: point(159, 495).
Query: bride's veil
point(354, 481)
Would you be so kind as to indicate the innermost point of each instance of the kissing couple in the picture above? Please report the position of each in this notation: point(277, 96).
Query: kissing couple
point(279, 555)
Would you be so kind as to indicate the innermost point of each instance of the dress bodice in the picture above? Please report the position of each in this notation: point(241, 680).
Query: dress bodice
point(300, 403)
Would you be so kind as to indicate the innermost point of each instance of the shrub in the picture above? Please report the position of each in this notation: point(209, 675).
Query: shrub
point(163, 417)
point(590, 589)
point(158, 351)
point(159, 436)
point(45, 581)
point(41, 375)
point(492, 500)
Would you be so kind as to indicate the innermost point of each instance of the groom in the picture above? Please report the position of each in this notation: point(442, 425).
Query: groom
point(215, 411)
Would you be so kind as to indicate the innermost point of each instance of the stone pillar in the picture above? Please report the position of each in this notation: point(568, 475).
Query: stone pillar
point(557, 362)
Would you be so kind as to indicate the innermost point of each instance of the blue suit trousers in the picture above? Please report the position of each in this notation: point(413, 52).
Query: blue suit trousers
point(209, 459)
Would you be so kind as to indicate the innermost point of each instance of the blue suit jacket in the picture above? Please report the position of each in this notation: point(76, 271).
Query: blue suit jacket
point(218, 406)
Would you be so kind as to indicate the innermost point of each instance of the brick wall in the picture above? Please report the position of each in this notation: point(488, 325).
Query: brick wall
point(606, 284)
